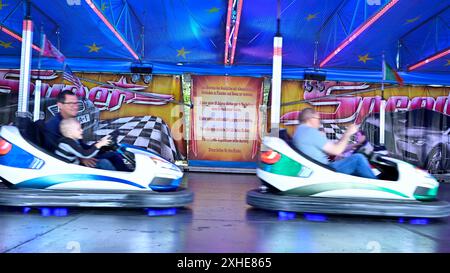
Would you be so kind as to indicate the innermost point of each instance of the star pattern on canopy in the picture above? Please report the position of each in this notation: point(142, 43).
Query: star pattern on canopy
point(448, 62)
point(2, 5)
point(364, 58)
point(182, 52)
point(104, 7)
point(5, 44)
point(311, 16)
point(412, 20)
point(213, 10)
point(338, 32)
point(93, 48)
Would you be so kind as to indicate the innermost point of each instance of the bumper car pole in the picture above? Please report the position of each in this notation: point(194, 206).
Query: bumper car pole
point(383, 103)
point(25, 69)
point(276, 79)
point(37, 100)
point(382, 121)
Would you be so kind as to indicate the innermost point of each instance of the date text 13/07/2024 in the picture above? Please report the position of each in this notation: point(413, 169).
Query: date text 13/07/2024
point(225, 263)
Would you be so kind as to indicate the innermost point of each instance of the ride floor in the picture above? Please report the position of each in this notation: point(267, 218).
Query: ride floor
point(218, 221)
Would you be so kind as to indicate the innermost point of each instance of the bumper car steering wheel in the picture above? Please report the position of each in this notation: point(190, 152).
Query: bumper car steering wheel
point(115, 147)
point(369, 151)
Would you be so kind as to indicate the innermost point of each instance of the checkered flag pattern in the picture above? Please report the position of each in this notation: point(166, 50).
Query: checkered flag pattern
point(333, 131)
point(149, 132)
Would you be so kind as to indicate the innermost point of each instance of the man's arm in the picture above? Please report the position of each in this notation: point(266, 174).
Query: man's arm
point(52, 134)
point(336, 148)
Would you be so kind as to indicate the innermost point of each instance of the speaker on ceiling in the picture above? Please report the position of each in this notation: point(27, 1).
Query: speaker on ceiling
point(141, 70)
point(315, 75)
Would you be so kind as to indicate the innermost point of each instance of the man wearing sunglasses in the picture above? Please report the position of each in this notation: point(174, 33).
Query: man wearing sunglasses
point(308, 139)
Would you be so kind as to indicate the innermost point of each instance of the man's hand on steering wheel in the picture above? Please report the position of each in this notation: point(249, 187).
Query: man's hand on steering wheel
point(352, 129)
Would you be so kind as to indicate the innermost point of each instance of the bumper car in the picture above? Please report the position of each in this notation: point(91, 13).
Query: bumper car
point(31, 176)
point(292, 181)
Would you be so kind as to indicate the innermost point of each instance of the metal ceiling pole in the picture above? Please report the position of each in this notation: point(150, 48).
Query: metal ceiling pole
point(316, 48)
point(397, 57)
point(383, 102)
point(112, 28)
point(276, 79)
point(58, 38)
point(429, 59)
point(432, 17)
point(329, 18)
point(142, 42)
point(322, 27)
point(360, 29)
point(38, 84)
point(227, 33)
point(11, 12)
point(25, 63)
point(232, 29)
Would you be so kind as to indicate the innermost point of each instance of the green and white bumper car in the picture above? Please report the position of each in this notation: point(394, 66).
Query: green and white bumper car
point(291, 181)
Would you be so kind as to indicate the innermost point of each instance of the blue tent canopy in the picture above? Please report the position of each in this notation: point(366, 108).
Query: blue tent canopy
point(190, 36)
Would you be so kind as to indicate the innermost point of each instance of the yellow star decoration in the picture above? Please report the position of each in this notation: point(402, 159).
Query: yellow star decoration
point(448, 62)
point(103, 7)
point(213, 10)
point(412, 20)
point(311, 16)
point(5, 44)
point(182, 52)
point(94, 48)
point(2, 5)
point(364, 58)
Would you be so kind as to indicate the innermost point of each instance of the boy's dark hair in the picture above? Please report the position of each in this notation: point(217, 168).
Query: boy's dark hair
point(62, 95)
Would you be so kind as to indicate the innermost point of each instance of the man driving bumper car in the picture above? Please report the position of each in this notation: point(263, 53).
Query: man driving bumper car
point(312, 142)
point(68, 105)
